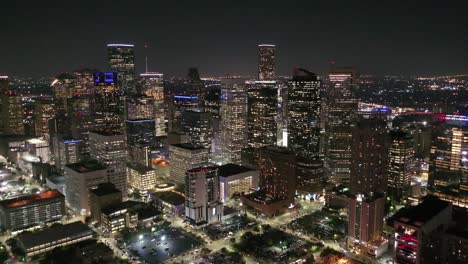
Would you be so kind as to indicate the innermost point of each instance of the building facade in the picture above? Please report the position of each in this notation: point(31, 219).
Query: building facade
point(184, 157)
point(266, 62)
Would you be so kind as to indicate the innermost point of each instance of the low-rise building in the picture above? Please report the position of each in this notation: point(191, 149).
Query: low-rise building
point(141, 179)
point(32, 210)
point(57, 236)
point(106, 194)
point(170, 202)
point(236, 180)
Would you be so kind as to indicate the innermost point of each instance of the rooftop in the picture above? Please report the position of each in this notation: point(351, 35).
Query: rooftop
point(170, 197)
point(423, 212)
point(140, 168)
point(121, 206)
point(187, 146)
point(55, 233)
point(105, 189)
point(86, 166)
point(232, 169)
point(30, 199)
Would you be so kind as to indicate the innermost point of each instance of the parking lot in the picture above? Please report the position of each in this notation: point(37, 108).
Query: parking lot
point(159, 246)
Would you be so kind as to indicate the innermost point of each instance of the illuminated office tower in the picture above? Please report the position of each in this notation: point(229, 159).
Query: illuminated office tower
point(198, 126)
point(141, 179)
point(44, 111)
point(11, 114)
point(179, 104)
point(202, 197)
point(122, 61)
point(65, 150)
point(266, 62)
point(262, 102)
point(109, 100)
point(184, 157)
point(140, 121)
point(110, 149)
point(369, 162)
point(233, 114)
point(341, 118)
point(153, 86)
point(400, 164)
point(448, 163)
point(304, 128)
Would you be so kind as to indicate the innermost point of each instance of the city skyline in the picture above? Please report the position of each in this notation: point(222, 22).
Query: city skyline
point(378, 39)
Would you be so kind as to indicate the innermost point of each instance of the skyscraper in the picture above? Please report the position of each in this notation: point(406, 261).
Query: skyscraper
point(303, 130)
point(44, 110)
point(400, 165)
point(198, 125)
point(184, 157)
point(202, 196)
point(153, 86)
point(370, 157)
point(266, 62)
point(110, 149)
point(11, 114)
point(233, 114)
point(122, 61)
point(140, 122)
point(366, 216)
point(341, 117)
point(262, 103)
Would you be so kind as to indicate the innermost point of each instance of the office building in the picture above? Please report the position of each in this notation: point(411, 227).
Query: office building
point(400, 164)
point(262, 111)
point(419, 232)
point(184, 157)
point(303, 129)
point(277, 181)
point(65, 150)
point(236, 180)
point(32, 210)
point(170, 202)
point(340, 116)
point(202, 197)
point(141, 180)
point(115, 218)
point(369, 162)
point(44, 111)
point(198, 125)
point(153, 86)
point(233, 115)
point(110, 149)
point(457, 245)
point(53, 237)
point(266, 62)
point(103, 196)
point(80, 178)
point(109, 100)
point(122, 61)
point(11, 114)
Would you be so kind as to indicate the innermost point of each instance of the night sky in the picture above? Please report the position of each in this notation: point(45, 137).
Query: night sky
point(423, 37)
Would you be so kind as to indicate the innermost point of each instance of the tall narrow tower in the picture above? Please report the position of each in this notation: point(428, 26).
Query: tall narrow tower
point(266, 62)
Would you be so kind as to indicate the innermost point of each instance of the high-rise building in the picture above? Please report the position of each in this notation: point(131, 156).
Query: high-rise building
point(419, 233)
point(366, 218)
point(266, 62)
point(184, 157)
point(202, 197)
point(11, 114)
point(153, 86)
point(122, 61)
point(400, 164)
point(44, 111)
point(341, 112)
point(110, 149)
point(235, 179)
point(4, 83)
point(303, 128)
point(141, 128)
point(198, 125)
point(277, 181)
point(80, 178)
point(32, 210)
point(65, 150)
point(141, 180)
point(369, 162)
point(233, 114)
point(262, 103)
point(109, 100)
